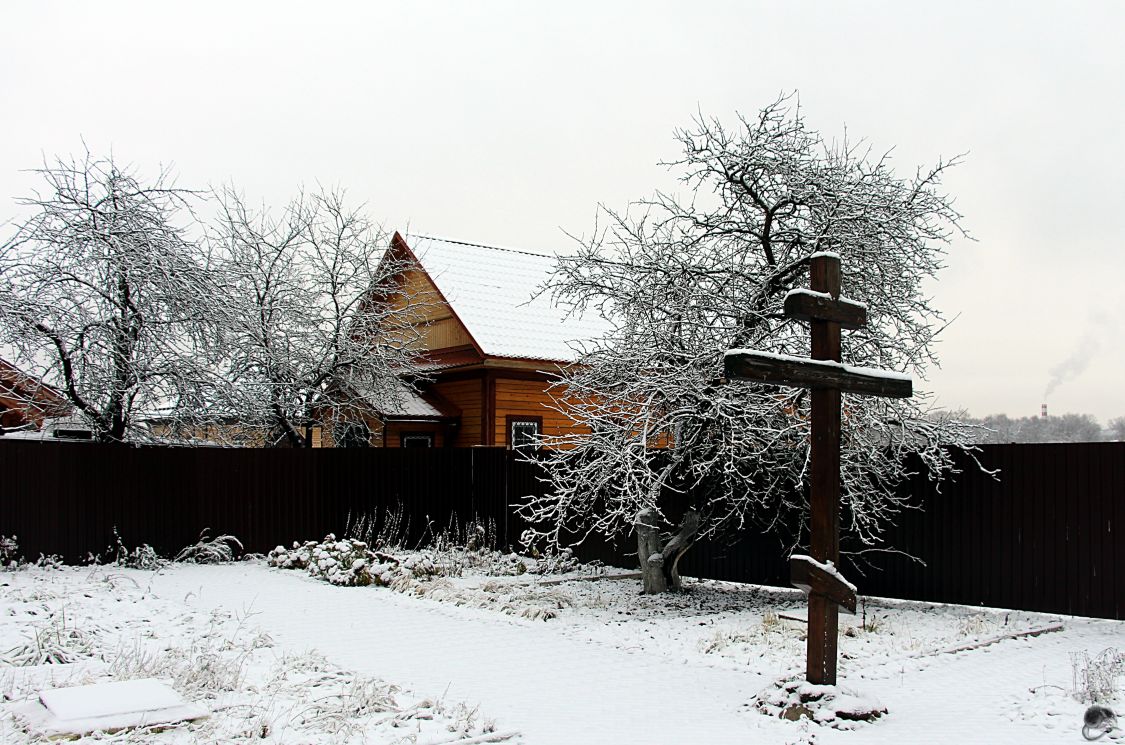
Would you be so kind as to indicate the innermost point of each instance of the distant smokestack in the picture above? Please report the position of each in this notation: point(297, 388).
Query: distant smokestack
point(1043, 411)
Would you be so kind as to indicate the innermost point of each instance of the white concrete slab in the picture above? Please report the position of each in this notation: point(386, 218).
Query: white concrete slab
point(104, 707)
point(106, 699)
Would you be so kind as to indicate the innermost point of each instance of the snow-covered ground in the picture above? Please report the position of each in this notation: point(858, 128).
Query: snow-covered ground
point(279, 656)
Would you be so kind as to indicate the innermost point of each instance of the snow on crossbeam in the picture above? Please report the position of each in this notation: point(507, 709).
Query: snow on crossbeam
point(784, 369)
point(822, 578)
point(810, 305)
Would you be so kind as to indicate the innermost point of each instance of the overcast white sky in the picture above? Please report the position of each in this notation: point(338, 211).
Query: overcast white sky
point(507, 123)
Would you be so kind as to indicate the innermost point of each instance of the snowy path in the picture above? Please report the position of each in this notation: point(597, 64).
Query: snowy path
point(527, 675)
point(557, 688)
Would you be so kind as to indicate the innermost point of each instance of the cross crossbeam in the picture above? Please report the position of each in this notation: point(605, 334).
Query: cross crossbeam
point(779, 369)
point(808, 305)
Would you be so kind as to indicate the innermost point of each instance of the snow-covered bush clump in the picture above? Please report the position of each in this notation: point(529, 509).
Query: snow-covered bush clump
point(143, 556)
point(11, 558)
point(554, 562)
point(9, 552)
point(457, 561)
point(833, 706)
point(217, 550)
point(458, 549)
point(349, 562)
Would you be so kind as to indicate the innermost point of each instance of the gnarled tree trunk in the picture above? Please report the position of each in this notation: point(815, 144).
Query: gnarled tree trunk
point(660, 565)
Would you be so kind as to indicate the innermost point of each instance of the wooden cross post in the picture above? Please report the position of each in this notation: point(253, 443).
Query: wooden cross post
point(827, 313)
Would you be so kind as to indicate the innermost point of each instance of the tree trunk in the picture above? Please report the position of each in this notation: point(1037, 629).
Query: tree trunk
point(649, 553)
point(678, 546)
point(660, 566)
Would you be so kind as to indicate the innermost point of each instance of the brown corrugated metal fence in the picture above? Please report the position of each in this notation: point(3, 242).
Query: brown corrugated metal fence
point(1045, 535)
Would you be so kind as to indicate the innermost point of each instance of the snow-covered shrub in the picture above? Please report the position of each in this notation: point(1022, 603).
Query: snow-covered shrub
point(554, 562)
point(143, 556)
point(9, 552)
point(217, 550)
point(454, 560)
point(1095, 678)
point(834, 706)
point(11, 558)
point(348, 562)
point(49, 561)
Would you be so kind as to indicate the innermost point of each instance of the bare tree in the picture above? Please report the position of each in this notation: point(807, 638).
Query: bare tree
point(1000, 428)
point(103, 295)
point(683, 279)
point(315, 325)
point(1117, 429)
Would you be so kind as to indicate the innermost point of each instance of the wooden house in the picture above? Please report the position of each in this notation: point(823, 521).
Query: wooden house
point(489, 348)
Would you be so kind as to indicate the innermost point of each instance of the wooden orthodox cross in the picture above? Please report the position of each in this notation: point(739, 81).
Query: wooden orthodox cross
point(827, 313)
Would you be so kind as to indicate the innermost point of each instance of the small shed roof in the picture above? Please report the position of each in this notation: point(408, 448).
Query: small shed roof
point(404, 402)
point(494, 292)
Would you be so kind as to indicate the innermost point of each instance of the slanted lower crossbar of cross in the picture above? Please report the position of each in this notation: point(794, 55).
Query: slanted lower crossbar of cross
point(826, 377)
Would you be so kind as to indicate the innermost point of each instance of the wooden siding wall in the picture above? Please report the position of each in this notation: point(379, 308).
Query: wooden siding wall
point(441, 329)
point(445, 333)
point(527, 398)
point(466, 395)
point(395, 431)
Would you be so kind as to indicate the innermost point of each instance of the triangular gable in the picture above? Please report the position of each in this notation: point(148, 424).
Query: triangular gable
point(444, 330)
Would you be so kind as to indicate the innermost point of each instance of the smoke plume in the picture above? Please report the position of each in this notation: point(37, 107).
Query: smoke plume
point(1088, 346)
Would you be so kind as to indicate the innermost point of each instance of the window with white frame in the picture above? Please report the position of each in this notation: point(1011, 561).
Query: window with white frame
point(523, 432)
point(417, 439)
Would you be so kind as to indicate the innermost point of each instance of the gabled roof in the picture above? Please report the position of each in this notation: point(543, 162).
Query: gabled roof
point(494, 293)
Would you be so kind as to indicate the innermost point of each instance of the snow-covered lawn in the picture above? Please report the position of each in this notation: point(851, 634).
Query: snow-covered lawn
point(279, 656)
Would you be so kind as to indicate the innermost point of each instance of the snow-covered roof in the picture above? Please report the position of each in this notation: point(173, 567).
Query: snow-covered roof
point(493, 291)
point(405, 403)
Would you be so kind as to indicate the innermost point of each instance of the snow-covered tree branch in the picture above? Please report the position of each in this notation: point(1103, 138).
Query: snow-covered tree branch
point(312, 331)
point(684, 278)
point(103, 294)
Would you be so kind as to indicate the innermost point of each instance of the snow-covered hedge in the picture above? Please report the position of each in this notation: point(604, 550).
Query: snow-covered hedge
point(349, 562)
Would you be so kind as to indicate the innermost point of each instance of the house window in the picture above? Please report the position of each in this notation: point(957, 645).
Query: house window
point(417, 439)
point(524, 432)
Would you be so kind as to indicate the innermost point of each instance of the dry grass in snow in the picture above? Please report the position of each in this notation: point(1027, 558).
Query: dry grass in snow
point(565, 658)
point(72, 626)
